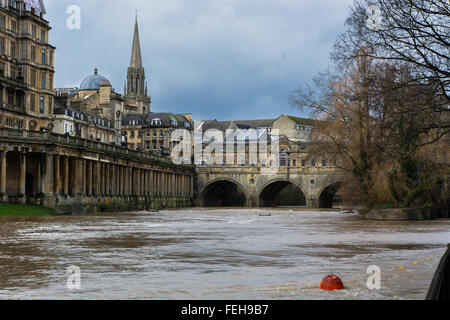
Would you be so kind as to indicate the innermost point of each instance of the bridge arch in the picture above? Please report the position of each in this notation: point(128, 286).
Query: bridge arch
point(224, 192)
point(281, 192)
point(328, 196)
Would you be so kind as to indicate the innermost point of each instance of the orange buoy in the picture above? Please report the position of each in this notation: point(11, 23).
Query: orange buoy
point(331, 282)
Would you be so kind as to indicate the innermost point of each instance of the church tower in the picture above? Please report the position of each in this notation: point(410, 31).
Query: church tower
point(135, 91)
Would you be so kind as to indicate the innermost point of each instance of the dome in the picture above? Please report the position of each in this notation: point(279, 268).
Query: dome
point(93, 81)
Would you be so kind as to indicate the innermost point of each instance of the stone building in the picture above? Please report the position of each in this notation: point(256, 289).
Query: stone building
point(99, 103)
point(293, 135)
point(152, 132)
point(132, 130)
point(158, 128)
point(73, 122)
point(26, 66)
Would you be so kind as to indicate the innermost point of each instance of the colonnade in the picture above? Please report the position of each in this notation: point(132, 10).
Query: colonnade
point(55, 175)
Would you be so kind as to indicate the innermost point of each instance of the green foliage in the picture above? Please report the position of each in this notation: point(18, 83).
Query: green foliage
point(8, 210)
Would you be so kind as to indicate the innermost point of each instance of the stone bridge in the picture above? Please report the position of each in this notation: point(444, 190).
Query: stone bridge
point(259, 185)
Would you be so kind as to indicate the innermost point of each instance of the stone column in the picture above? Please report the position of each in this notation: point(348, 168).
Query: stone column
point(149, 183)
point(152, 182)
point(89, 178)
point(139, 181)
point(22, 175)
point(99, 179)
point(57, 174)
point(3, 175)
point(66, 176)
point(79, 178)
point(130, 181)
point(102, 179)
point(107, 180)
point(83, 181)
point(47, 179)
point(158, 183)
point(126, 180)
point(120, 188)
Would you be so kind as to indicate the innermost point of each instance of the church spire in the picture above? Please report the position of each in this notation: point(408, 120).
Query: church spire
point(136, 59)
point(135, 89)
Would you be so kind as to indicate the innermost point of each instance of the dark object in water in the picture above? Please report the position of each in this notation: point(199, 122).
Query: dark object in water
point(440, 286)
point(63, 214)
point(153, 210)
point(265, 215)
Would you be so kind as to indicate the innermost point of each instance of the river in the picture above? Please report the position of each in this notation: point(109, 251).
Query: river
point(217, 254)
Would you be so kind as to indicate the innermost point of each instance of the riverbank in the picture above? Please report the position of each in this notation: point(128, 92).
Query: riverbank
point(17, 210)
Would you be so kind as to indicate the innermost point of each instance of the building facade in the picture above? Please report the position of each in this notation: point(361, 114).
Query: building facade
point(26, 66)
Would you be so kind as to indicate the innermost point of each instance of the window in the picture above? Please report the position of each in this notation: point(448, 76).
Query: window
point(2, 20)
point(13, 71)
point(42, 105)
point(50, 106)
point(132, 134)
point(12, 52)
point(33, 53)
point(32, 103)
point(24, 51)
point(2, 69)
point(173, 122)
point(13, 25)
point(303, 163)
point(139, 134)
point(156, 121)
point(43, 35)
point(43, 57)
point(294, 163)
point(313, 163)
point(20, 74)
point(148, 134)
point(43, 80)
point(2, 45)
point(324, 163)
point(283, 158)
point(34, 31)
point(33, 78)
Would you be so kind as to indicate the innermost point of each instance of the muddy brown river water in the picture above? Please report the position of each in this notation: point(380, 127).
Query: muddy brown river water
point(217, 254)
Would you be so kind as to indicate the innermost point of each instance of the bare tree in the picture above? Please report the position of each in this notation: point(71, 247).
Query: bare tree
point(413, 32)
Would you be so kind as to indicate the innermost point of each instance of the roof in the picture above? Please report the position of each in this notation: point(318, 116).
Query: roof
point(303, 121)
point(139, 118)
point(166, 120)
point(92, 82)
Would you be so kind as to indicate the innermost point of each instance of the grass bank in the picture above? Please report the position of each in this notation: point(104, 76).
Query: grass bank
point(14, 210)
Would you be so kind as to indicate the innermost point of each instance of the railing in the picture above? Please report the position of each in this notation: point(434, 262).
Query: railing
point(78, 142)
point(11, 107)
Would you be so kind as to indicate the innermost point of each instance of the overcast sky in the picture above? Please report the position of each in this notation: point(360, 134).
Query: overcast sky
point(223, 59)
